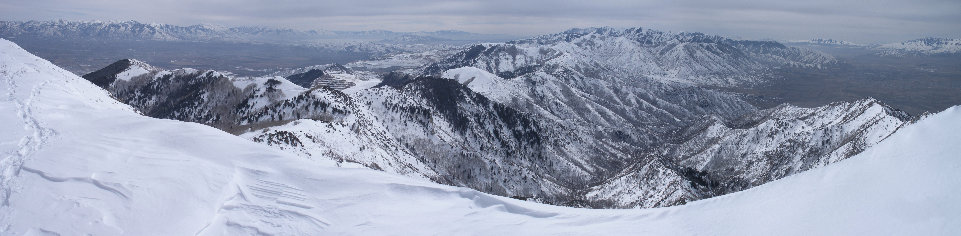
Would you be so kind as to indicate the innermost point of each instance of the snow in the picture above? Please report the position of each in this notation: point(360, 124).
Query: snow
point(485, 83)
point(287, 89)
point(76, 162)
point(133, 71)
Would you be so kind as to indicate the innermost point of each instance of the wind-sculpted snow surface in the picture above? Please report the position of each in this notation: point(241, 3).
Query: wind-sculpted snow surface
point(102, 169)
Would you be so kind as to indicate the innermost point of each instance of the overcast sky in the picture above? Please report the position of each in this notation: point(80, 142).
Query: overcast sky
point(864, 21)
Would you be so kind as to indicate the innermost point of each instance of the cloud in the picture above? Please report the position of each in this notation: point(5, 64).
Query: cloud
point(855, 20)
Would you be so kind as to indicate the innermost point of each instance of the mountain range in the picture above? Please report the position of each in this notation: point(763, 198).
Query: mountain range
point(597, 117)
point(77, 161)
point(133, 30)
point(922, 46)
point(85, 46)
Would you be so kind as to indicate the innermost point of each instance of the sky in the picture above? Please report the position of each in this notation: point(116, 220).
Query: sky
point(862, 21)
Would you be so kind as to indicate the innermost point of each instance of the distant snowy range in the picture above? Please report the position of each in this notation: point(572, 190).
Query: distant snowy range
point(928, 46)
point(439, 134)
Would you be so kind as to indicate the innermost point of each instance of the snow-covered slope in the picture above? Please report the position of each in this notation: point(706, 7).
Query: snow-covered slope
point(483, 82)
point(76, 162)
